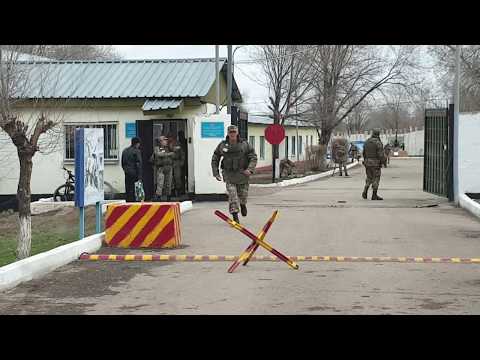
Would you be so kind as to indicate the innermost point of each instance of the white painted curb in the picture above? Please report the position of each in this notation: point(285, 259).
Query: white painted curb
point(303, 179)
point(35, 266)
point(38, 265)
point(185, 206)
point(470, 205)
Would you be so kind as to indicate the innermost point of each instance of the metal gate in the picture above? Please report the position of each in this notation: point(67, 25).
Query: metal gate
point(438, 155)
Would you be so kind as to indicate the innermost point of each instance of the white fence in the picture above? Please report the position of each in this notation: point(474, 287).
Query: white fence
point(413, 138)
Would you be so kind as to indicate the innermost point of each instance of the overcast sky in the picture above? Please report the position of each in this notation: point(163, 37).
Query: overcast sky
point(247, 75)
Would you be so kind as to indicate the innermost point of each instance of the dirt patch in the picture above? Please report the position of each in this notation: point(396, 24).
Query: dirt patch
point(430, 304)
point(56, 292)
point(321, 308)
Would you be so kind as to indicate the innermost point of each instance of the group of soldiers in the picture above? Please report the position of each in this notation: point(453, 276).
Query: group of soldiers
point(168, 161)
point(375, 155)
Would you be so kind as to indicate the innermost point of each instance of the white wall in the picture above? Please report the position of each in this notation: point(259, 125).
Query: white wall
point(203, 149)
point(47, 169)
point(414, 140)
point(469, 153)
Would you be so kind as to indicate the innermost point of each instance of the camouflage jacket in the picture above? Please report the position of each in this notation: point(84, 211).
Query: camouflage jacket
point(373, 153)
point(235, 159)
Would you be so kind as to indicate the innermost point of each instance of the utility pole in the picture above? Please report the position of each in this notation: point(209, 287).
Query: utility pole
point(456, 111)
point(229, 80)
point(217, 80)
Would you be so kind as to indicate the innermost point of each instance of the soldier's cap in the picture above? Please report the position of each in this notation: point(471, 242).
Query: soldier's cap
point(232, 128)
point(376, 132)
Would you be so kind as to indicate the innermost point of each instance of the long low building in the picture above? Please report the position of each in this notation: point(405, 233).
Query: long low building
point(293, 147)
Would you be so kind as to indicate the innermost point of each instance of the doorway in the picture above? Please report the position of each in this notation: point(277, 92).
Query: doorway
point(148, 131)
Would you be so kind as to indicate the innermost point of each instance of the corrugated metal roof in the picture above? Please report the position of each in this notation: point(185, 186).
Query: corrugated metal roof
point(161, 104)
point(168, 78)
point(255, 119)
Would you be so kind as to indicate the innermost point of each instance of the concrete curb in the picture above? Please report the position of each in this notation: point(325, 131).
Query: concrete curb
point(301, 180)
point(38, 265)
point(470, 205)
point(35, 266)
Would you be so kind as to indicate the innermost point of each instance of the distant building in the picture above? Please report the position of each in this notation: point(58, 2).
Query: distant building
point(292, 147)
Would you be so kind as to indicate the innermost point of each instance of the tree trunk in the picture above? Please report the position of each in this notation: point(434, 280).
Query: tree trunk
point(325, 136)
point(24, 198)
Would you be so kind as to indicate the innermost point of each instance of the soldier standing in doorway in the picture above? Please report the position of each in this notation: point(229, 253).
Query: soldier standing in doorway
point(163, 163)
point(239, 162)
point(178, 163)
point(373, 159)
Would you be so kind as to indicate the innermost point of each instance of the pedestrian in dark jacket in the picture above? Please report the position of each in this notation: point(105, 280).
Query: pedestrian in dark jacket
point(132, 167)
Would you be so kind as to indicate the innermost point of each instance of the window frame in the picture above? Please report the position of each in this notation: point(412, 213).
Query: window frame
point(262, 148)
point(90, 125)
point(294, 146)
point(252, 137)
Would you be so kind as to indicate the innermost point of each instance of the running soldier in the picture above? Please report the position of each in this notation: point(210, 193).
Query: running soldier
point(353, 152)
point(239, 162)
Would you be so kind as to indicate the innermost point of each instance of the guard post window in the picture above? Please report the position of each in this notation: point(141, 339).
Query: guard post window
point(110, 140)
point(262, 147)
point(251, 140)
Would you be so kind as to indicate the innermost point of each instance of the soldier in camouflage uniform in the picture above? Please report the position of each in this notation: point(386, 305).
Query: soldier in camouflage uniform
point(387, 149)
point(163, 162)
point(178, 162)
point(340, 154)
point(373, 158)
point(353, 152)
point(239, 162)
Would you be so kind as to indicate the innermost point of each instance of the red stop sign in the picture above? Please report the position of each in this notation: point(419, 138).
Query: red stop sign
point(275, 134)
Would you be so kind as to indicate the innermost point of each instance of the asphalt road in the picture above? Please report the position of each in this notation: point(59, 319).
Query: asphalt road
point(325, 217)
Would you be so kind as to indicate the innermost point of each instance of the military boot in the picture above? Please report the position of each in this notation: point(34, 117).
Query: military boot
point(375, 196)
point(243, 209)
point(365, 192)
point(235, 217)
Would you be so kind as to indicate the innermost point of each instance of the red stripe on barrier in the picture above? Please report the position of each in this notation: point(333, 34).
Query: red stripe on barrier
point(149, 226)
point(166, 234)
point(120, 257)
point(116, 213)
point(138, 257)
point(103, 257)
point(129, 225)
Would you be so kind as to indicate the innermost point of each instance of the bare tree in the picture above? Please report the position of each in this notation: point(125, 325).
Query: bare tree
point(30, 124)
point(72, 52)
point(289, 79)
point(444, 57)
point(356, 121)
point(348, 74)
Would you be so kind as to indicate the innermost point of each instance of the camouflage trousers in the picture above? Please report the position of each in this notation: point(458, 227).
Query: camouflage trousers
point(237, 194)
point(177, 177)
point(373, 176)
point(164, 180)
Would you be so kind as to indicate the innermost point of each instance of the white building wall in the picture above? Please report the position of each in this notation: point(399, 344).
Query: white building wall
point(47, 169)
point(469, 153)
point(258, 130)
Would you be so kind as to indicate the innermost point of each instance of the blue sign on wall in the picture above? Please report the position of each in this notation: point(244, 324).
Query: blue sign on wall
point(130, 130)
point(213, 129)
